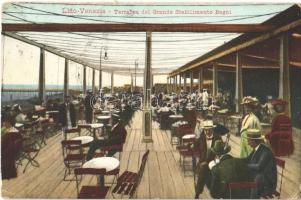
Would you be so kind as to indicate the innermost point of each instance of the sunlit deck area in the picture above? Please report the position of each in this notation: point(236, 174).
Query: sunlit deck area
point(163, 176)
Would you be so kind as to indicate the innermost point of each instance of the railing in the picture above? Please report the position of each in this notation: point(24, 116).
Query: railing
point(17, 94)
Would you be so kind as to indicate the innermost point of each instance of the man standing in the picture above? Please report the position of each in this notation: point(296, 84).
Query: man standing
point(262, 164)
point(67, 114)
point(89, 103)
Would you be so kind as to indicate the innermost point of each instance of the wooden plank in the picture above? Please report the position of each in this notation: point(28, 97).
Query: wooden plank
point(168, 188)
point(177, 177)
point(137, 27)
point(155, 181)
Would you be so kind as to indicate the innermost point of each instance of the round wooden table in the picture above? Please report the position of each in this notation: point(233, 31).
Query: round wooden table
point(84, 139)
point(108, 163)
point(94, 127)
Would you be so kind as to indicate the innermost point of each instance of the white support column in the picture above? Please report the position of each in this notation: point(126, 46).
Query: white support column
point(147, 114)
point(200, 81)
point(112, 82)
point(176, 83)
point(66, 78)
point(167, 84)
point(215, 79)
point(238, 82)
point(180, 83)
point(84, 80)
point(42, 87)
point(93, 80)
point(100, 79)
point(284, 72)
point(132, 81)
point(185, 82)
point(191, 81)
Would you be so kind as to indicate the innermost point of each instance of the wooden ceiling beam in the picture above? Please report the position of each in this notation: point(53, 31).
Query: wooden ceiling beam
point(137, 27)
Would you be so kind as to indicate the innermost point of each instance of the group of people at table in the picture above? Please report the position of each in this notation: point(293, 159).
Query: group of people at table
point(216, 167)
point(16, 123)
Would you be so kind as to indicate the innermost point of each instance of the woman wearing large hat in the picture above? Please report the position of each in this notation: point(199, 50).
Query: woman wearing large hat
point(250, 121)
point(280, 136)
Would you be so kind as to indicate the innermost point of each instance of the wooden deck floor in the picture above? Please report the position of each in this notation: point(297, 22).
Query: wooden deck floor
point(163, 176)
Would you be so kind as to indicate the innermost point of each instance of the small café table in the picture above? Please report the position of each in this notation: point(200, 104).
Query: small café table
point(85, 140)
point(94, 127)
point(108, 163)
point(188, 137)
point(175, 117)
point(105, 112)
point(105, 119)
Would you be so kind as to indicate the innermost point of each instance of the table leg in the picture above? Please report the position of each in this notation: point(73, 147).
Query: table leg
point(193, 167)
point(94, 133)
point(101, 181)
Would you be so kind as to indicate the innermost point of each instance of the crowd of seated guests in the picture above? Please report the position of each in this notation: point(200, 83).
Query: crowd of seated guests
point(257, 159)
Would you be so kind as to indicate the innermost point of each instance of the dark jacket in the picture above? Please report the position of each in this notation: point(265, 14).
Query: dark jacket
point(229, 170)
point(63, 114)
point(11, 145)
point(201, 145)
point(264, 170)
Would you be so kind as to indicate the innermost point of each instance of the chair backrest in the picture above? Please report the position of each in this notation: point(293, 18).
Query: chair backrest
point(241, 185)
point(71, 145)
point(280, 163)
point(71, 130)
point(142, 165)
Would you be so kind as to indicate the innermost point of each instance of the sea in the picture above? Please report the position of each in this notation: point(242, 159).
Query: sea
point(25, 95)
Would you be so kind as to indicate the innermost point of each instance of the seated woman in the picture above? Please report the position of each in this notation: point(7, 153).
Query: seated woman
point(11, 144)
point(280, 136)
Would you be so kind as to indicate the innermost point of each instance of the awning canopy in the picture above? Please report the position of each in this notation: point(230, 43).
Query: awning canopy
point(170, 50)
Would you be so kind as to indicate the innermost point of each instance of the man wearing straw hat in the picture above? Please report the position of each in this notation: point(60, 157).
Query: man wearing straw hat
point(204, 143)
point(262, 164)
point(250, 121)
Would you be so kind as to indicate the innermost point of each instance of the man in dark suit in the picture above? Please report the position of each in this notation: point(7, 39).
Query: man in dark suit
point(89, 103)
point(262, 164)
point(204, 143)
point(117, 136)
point(67, 114)
point(224, 170)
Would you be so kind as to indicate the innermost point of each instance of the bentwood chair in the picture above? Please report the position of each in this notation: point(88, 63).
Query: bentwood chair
point(73, 156)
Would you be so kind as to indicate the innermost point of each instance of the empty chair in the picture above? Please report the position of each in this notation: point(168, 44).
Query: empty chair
point(73, 155)
point(89, 191)
point(128, 181)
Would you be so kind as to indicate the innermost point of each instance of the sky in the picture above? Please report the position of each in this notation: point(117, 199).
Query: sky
point(20, 61)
